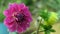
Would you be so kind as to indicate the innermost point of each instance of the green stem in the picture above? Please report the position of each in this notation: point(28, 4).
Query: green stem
point(38, 27)
point(36, 31)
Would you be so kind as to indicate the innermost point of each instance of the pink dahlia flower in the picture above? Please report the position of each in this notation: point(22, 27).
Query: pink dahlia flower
point(18, 17)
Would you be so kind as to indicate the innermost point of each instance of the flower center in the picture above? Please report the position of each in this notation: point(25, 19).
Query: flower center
point(20, 17)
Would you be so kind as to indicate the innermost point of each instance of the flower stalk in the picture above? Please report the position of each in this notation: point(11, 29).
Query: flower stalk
point(38, 26)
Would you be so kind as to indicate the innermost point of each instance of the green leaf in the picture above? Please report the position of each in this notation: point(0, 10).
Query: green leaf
point(47, 32)
point(47, 27)
point(52, 30)
point(44, 14)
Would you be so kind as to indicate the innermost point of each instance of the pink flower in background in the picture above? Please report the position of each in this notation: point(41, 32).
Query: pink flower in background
point(18, 17)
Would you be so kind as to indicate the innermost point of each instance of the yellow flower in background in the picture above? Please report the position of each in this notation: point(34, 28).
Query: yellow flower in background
point(52, 19)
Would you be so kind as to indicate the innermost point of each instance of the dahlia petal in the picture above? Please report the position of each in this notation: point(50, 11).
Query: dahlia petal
point(13, 6)
point(12, 29)
point(28, 25)
point(12, 10)
point(6, 13)
point(19, 8)
point(22, 5)
point(19, 29)
point(29, 19)
point(9, 22)
point(26, 12)
point(25, 25)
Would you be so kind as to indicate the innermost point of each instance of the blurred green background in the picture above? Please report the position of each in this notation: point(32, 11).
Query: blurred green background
point(34, 6)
